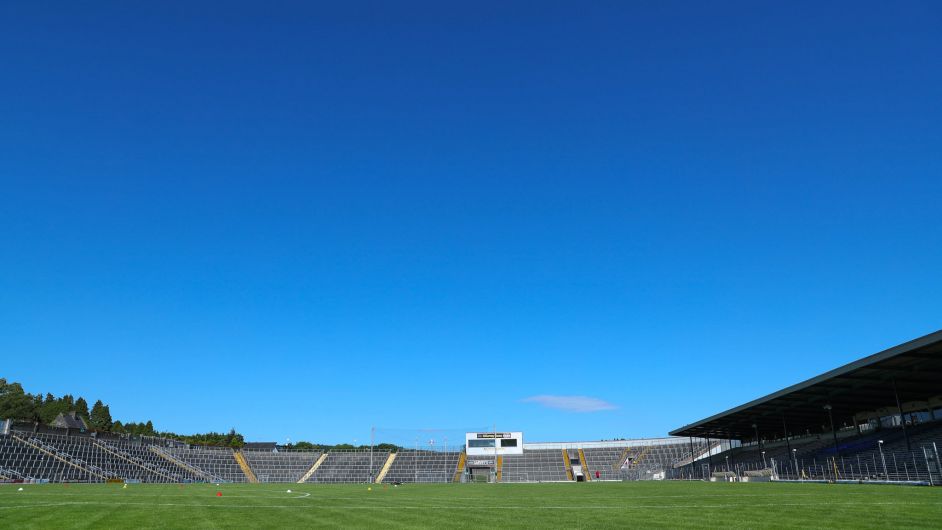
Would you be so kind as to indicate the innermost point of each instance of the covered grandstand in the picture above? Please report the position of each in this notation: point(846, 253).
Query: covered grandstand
point(875, 419)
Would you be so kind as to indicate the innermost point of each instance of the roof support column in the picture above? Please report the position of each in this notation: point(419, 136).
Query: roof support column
point(710, 454)
point(692, 456)
point(902, 419)
point(833, 430)
point(788, 443)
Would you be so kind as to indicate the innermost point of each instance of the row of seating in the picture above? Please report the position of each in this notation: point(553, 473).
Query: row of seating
point(60, 458)
point(147, 457)
point(21, 461)
point(536, 465)
point(423, 466)
point(282, 466)
point(640, 462)
point(217, 463)
point(349, 467)
point(857, 456)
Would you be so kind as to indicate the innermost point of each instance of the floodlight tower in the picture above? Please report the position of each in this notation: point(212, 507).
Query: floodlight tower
point(886, 475)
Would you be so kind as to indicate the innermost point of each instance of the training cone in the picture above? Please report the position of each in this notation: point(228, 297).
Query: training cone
point(369, 489)
point(289, 491)
point(219, 494)
point(21, 489)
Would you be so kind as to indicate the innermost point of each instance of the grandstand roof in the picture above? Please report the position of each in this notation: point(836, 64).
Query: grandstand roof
point(863, 385)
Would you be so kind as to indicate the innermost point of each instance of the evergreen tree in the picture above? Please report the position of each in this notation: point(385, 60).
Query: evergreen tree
point(15, 403)
point(81, 406)
point(100, 416)
point(50, 408)
point(106, 417)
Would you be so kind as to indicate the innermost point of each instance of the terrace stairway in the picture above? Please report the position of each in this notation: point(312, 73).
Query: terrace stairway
point(317, 464)
point(386, 466)
point(462, 460)
point(568, 463)
point(249, 474)
point(585, 469)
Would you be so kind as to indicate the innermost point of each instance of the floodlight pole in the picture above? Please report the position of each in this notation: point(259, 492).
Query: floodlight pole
point(495, 452)
point(372, 440)
point(925, 455)
point(886, 476)
point(795, 458)
point(938, 463)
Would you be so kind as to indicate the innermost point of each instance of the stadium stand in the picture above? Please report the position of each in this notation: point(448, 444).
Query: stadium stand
point(282, 466)
point(313, 469)
point(218, 463)
point(75, 453)
point(875, 419)
point(539, 465)
point(605, 460)
point(423, 466)
point(142, 455)
point(349, 466)
point(108, 458)
point(23, 462)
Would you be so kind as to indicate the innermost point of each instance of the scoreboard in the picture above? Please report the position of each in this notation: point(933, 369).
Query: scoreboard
point(493, 443)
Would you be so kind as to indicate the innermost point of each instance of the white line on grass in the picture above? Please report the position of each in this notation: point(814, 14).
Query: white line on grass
point(471, 508)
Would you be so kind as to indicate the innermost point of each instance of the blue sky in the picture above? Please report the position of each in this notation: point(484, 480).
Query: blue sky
point(303, 220)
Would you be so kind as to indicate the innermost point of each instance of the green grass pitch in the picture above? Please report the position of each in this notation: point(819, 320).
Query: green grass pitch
point(594, 505)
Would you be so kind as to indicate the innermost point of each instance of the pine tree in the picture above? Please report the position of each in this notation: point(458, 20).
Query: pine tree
point(100, 417)
point(49, 409)
point(15, 403)
point(81, 407)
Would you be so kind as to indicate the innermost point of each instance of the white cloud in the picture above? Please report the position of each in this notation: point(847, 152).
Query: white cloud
point(572, 403)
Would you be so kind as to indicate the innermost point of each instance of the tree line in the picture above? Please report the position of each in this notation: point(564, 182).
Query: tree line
point(17, 404)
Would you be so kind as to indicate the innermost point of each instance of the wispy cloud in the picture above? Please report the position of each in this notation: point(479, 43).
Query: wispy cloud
point(572, 403)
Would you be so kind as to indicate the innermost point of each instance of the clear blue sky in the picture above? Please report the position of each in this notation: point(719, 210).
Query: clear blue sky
point(303, 220)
